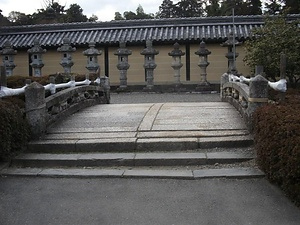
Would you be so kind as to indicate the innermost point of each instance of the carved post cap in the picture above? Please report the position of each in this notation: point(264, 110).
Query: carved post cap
point(258, 87)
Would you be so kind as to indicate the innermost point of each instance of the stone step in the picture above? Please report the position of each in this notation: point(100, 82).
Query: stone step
point(131, 159)
point(233, 173)
point(136, 144)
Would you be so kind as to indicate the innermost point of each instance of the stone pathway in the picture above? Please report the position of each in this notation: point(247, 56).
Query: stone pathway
point(144, 140)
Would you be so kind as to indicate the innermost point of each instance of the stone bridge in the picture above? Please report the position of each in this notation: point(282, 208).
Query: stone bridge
point(189, 140)
point(181, 140)
point(148, 126)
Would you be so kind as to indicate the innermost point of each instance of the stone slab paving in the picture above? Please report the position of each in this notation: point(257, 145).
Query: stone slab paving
point(231, 173)
point(130, 159)
point(149, 126)
point(228, 173)
point(153, 117)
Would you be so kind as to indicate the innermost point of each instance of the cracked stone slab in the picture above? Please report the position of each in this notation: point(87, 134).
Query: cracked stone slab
point(150, 116)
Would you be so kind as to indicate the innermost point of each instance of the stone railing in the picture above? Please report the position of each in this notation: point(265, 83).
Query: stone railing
point(42, 111)
point(246, 95)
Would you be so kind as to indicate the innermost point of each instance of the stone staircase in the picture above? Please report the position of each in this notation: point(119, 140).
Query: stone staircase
point(155, 143)
point(58, 159)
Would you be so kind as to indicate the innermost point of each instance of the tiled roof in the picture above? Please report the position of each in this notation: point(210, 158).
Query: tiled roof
point(134, 31)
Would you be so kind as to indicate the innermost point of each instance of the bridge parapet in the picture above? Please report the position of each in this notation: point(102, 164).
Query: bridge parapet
point(246, 95)
point(41, 111)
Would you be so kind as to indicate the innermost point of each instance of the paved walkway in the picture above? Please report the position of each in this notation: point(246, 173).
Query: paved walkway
point(180, 124)
point(51, 201)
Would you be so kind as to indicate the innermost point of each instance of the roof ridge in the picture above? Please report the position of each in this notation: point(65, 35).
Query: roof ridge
point(114, 24)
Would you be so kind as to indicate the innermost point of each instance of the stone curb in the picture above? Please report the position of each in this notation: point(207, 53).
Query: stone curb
point(138, 144)
point(128, 159)
point(232, 173)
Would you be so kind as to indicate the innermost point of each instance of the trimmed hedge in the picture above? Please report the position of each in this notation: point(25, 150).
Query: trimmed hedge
point(14, 129)
point(277, 140)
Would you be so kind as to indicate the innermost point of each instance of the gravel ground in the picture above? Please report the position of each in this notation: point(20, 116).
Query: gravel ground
point(140, 97)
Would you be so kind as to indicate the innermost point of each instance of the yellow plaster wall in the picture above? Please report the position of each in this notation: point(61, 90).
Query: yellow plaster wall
point(113, 70)
point(21, 61)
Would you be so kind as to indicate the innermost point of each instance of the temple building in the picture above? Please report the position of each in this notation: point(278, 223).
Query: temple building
point(105, 39)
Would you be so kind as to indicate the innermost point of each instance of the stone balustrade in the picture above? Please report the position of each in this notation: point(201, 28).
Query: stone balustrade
point(43, 111)
point(246, 95)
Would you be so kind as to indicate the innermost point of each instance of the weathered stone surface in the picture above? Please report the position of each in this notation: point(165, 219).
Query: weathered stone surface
point(150, 117)
point(193, 133)
point(183, 174)
point(100, 135)
point(20, 171)
point(166, 144)
point(35, 109)
point(169, 159)
point(101, 145)
point(227, 157)
point(228, 173)
point(235, 141)
point(81, 173)
point(52, 146)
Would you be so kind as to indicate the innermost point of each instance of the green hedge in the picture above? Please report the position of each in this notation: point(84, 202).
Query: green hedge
point(277, 139)
point(14, 129)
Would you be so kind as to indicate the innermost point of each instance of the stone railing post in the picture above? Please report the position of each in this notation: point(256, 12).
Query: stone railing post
point(224, 79)
point(258, 93)
point(3, 78)
point(35, 109)
point(105, 83)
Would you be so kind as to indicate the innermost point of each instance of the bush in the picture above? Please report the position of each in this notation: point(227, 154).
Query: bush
point(277, 140)
point(278, 35)
point(14, 128)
